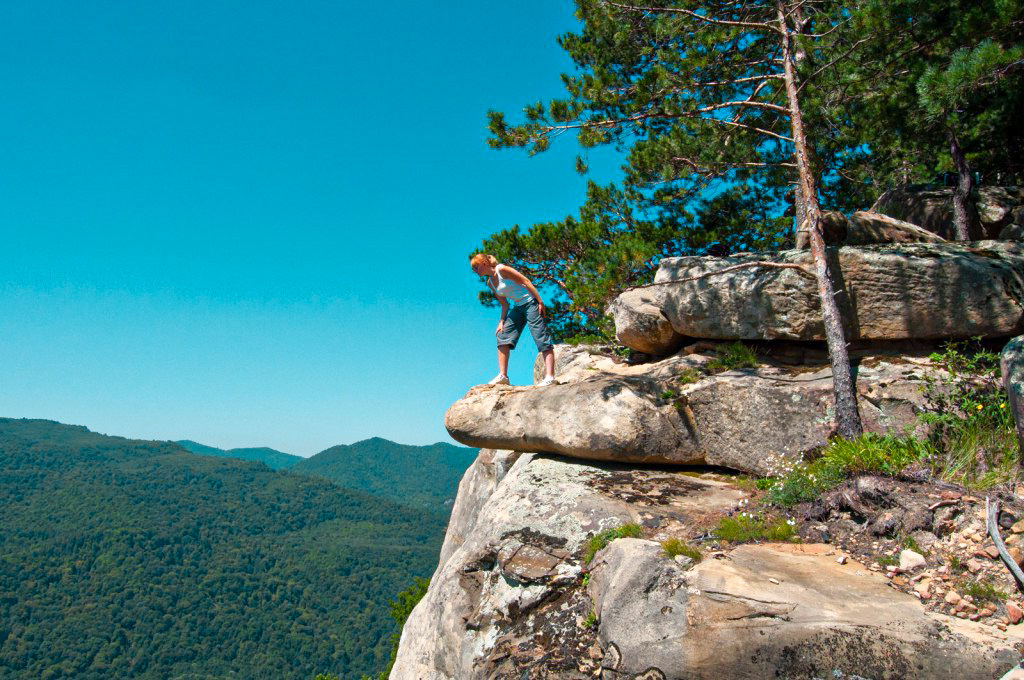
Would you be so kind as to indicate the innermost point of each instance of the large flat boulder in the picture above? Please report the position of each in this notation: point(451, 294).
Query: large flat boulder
point(752, 420)
point(912, 291)
point(623, 418)
point(774, 611)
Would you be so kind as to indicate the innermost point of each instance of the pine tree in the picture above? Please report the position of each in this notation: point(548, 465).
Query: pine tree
point(705, 91)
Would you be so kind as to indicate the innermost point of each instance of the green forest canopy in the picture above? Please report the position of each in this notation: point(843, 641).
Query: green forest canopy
point(124, 558)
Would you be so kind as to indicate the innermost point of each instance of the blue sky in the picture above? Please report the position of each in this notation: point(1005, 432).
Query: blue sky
point(247, 224)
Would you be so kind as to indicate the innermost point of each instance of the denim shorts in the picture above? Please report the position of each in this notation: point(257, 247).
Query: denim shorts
point(518, 317)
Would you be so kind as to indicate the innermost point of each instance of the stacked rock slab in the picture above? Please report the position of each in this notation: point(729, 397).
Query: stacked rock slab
point(912, 291)
point(753, 420)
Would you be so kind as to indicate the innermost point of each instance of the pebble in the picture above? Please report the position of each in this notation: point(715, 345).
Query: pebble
point(952, 597)
point(1018, 528)
point(910, 560)
point(841, 559)
point(774, 580)
point(924, 589)
point(1014, 613)
point(973, 566)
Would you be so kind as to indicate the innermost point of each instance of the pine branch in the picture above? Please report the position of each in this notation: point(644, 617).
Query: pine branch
point(694, 15)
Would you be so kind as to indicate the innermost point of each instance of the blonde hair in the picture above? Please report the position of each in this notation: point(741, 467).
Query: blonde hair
point(483, 258)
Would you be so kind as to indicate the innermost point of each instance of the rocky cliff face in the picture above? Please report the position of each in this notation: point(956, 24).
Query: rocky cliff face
point(511, 598)
point(657, 445)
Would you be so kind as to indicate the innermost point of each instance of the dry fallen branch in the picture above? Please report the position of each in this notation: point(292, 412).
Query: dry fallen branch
point(993, 530)
point(772, 265)
point(942, 504)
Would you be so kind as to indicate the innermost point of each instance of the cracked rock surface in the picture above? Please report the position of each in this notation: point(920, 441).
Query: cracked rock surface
point(775, 611)
point(669, 412)
point(510, 601)
point(509, 598)
point(892, 292)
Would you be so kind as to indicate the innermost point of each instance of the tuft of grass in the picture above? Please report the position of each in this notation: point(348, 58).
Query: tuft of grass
point(732, 355)
point(746, 529)
point(608, 535)
point(591, 620)
point(842, 458)
point(888, 560)
point(674, 546)
point(669, 394)
point(907, 542)
point(690, 375)
point(983, 591)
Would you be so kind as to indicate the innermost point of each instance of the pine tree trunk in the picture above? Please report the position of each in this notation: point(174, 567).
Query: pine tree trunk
point(963, 210)
point(847, 415)
point(800, 209)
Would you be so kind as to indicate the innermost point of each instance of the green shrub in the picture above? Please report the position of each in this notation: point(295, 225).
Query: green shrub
point(745, 528)
point(689, 375)
point(730, 356)
point(973, 435)
point(842, 458)
point(674, 546)
point(888, 560)
point(983, 591)
point(608, 535)
point(591, 620)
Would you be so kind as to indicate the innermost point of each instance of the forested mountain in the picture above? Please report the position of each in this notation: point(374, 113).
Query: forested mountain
point(276, 460)
point(423, 476)
point(136, 559)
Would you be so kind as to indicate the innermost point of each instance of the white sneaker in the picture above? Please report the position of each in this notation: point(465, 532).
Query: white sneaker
point(499, 380)
point(550, 380)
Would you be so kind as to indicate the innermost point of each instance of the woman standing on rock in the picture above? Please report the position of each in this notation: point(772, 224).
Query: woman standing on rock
point(508, 285)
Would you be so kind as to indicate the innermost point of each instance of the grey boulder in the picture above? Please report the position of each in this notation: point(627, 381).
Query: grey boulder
point(912, 291)
point(640, 324)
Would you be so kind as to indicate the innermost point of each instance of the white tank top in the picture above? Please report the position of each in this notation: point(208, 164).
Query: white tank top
point(510, 290)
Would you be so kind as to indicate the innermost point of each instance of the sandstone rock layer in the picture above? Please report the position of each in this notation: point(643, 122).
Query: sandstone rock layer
point(751, 420)
point(774, 611)
point(914, 291)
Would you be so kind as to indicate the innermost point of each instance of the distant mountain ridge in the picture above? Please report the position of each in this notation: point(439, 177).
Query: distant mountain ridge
point(275, 460)
point(123, 558)
point(421, 476)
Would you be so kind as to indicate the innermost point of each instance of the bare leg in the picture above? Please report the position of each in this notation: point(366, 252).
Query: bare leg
point(503, 352)
point(549, 363)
